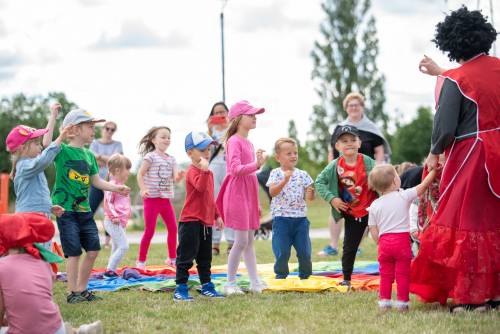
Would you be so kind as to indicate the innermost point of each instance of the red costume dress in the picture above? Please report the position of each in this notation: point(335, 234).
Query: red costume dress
point(459, 256)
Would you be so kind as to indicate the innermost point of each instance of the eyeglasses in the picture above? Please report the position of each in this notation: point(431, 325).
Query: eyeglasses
point(110, 129)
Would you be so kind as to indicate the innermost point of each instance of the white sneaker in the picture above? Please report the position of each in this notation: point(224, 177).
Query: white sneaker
point(140, 265)
point(258, 286)
point(231, 288)
point(93, 328)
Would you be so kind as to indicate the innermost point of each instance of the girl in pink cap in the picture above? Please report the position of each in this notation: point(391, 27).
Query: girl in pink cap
point(29, 163)
point(238, 199)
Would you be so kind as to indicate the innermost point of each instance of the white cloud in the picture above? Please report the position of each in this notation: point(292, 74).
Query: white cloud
point(135, 34)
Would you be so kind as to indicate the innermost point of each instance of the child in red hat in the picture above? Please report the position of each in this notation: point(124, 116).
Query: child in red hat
point(26, 280)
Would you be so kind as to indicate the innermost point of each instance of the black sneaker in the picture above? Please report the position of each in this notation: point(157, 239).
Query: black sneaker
point(75, 298)
point(346, 283)
point(89, 296)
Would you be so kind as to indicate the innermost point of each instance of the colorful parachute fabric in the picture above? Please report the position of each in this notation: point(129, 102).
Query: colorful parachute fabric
point(326, 277)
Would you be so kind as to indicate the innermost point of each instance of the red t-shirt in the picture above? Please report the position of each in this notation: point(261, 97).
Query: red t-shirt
point(353, 187)
point(200, 202)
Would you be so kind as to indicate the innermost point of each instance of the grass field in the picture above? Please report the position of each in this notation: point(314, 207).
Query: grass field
point(356, 312)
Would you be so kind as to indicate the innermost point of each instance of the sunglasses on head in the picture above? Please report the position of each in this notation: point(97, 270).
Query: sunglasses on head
point(110, 129)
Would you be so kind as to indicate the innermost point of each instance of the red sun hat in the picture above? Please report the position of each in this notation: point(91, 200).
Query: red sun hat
point(23, 229)
point(244, 107)
point(20, 135)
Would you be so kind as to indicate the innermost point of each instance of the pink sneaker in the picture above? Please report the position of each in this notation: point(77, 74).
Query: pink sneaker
point(170, 262)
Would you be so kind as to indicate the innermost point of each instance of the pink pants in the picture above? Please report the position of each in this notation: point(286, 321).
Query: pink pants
point(394, 257)
point(163, 207)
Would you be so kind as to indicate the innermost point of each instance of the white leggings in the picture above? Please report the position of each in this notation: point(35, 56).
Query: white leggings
point(119, 243)
point(243, 246)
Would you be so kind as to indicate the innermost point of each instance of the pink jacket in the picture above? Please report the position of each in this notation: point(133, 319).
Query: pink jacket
point(117, 206)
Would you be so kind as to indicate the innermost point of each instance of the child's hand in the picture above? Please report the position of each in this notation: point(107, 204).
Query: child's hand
point(115, 220)
point(339, 204)
point(219, 224)
point(261, 157)
point(144, 193)
point(57, 210)
point(180, 175)
point(122, 190)
point(203, 163)
point(55, 108)
point(414, 235)
point(288, 174)
point(310, 193)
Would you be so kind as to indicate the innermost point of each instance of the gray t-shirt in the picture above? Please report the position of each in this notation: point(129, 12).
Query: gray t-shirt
point(105, 149)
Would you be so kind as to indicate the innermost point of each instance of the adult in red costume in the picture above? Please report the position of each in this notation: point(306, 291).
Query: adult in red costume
point(459, 256)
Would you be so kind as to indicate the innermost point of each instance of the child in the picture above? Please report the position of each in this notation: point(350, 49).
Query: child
point(238, 200)
point(156, 181)
point(76, 170)
point(197, 218)
point(344, 184)
point(390, 227)
point(26, 279)
point(28, 165)
point(117, 211)
point(289, 186)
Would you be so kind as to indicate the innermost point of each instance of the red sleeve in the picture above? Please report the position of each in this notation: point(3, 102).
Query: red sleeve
point(198, 179)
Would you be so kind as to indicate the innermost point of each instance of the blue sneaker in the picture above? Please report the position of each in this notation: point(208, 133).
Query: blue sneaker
point(208, 290)
point(328, 251)
point(181, 293)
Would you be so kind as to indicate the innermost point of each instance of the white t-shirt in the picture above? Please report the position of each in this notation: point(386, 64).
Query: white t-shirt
point(391, 212)
point(290, 202)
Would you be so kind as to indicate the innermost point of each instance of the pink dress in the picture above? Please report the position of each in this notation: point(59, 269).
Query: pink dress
point(238, 200)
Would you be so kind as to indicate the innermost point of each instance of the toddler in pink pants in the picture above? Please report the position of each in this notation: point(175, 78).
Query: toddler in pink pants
point(389, 223)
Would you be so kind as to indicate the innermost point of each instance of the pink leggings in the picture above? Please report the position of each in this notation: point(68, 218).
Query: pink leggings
point(394, 257)
point(163, 207)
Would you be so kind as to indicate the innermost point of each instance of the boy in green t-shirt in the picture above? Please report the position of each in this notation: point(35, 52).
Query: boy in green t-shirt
point(76, 170)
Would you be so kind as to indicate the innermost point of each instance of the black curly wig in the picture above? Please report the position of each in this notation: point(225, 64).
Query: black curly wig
point(464, 34)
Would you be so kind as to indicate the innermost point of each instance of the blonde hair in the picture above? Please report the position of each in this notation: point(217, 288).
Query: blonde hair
point(118, 162)
point(353, 96)
point(146, 144)
point(17, 154)
point(281, 141)
point(110, 122)
point(403, 167)
point(381, 177)
point(233, 127)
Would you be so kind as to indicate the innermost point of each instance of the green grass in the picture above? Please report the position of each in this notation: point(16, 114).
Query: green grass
point(146, 312)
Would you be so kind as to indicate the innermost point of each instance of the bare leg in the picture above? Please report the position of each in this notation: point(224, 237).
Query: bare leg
point(72, 271)
point(85, 269)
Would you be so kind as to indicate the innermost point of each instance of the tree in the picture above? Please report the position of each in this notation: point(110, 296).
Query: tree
point(411, 142)
point(32, 111)
point(345, 61)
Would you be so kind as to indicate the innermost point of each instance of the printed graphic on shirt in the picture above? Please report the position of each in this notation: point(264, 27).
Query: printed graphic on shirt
point(75, 185)
point(350, 192)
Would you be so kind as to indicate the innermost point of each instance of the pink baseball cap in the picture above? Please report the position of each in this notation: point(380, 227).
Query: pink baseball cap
point(20, 135)
point(244, 107)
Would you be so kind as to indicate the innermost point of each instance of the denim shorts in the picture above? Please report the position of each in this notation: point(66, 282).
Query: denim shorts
point(78, 230)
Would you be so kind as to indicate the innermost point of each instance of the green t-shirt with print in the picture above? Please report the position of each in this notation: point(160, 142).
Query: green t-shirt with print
point(74, 168)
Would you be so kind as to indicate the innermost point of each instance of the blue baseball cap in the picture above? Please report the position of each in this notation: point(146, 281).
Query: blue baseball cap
point(197, 140)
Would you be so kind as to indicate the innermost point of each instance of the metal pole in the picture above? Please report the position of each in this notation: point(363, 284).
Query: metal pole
point(222, 55)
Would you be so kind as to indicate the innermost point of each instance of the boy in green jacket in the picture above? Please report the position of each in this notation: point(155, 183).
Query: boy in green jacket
point(344, 184)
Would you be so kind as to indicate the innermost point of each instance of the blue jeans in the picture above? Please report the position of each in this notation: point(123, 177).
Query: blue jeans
point(288, 232)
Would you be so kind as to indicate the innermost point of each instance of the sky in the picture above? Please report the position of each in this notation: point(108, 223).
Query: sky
point(148, 63)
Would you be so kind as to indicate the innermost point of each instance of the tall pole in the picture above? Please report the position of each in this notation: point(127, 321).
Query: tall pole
point(222, 50)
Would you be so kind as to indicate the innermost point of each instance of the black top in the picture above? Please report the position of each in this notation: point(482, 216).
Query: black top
point(412, 177)
point(455, 116)
point(368, 143)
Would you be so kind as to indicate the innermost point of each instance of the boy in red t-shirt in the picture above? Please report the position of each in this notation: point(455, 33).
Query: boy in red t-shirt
point(344, 184)
point(197, 218)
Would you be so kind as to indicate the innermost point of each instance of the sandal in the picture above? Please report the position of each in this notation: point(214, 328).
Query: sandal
point(461, 308)
point(215, 251)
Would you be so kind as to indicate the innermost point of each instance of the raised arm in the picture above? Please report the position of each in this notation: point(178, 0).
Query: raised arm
point(54, 111)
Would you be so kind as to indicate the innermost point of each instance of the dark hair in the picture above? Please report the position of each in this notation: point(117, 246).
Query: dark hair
point(146, 144)
point(464, 34)
point(220, 103)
